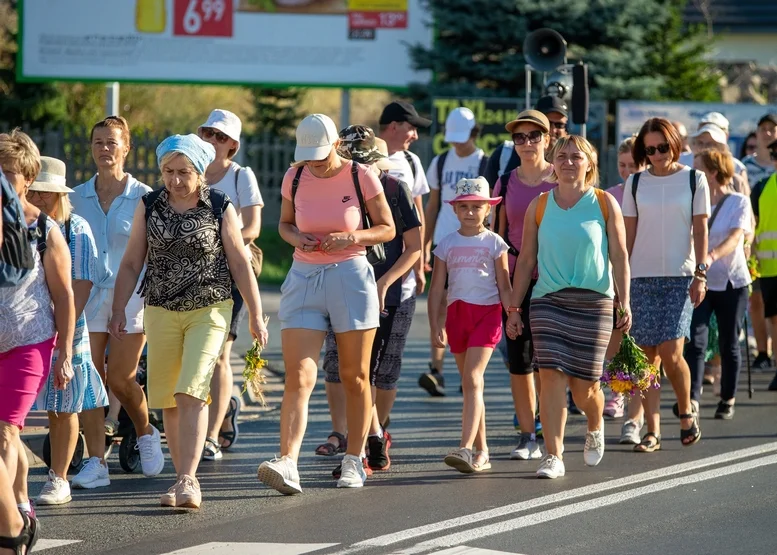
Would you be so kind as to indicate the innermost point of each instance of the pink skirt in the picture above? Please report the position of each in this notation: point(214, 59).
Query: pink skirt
point(23, 371)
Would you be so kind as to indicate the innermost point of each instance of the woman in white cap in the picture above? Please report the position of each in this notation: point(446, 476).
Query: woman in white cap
point(191, 236)
point(107, 202)
point(326, 202)
point(222, 130)
point(49, 193)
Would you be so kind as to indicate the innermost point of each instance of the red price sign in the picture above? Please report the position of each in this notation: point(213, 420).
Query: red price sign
point(377, 20)
point(203, 18)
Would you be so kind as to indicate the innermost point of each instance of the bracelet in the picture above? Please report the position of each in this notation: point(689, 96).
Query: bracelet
point(700, 277)
point(514, 309)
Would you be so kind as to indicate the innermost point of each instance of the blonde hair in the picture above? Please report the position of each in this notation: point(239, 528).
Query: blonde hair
point(335, 148)
point(719, 162)
point(592, 174)
point(64, 208)
point(170, 156)
point(627, 146)
point(18, 151)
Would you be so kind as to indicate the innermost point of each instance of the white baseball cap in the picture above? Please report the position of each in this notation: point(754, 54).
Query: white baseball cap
point(717, 134)
point(715, 118)
point(459, 125)
point(316, 135)
point(226, 122)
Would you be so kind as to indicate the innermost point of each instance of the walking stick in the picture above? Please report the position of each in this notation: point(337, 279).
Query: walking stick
point(747, 357)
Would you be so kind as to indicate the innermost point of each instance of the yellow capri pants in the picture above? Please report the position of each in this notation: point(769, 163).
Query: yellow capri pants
point(183, 348)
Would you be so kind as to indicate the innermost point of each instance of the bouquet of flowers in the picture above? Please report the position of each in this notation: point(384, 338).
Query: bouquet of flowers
point(252, 373)
point(752, 266)
point(629, 371)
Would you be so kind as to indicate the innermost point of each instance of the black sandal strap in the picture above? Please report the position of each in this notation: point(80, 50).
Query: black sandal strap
point(340, 437)
point(24, 539)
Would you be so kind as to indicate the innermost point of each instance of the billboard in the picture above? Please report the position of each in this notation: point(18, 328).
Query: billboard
point(493, 113)
point(742, 117)
point(344, 43)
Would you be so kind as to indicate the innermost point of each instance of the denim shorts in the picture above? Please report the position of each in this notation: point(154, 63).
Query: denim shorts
point(341, 294)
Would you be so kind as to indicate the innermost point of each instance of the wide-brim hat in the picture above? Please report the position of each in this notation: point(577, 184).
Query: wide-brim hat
point(474, 190)
point(52, 177)
point(530, 116)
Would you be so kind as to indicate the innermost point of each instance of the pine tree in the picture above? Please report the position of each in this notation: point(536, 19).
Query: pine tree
point(277, 111)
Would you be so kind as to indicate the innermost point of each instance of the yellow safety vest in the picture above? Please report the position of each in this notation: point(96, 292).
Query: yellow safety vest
point(766, 230)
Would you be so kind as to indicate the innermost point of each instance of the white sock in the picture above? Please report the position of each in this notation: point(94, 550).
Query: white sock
point(24, 506)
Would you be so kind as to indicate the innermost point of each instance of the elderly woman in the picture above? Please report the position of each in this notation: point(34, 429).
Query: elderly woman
point(669, 269)
point(107, 202)
point(37, 316)
point(326, 202)
point(572, 301)
point(192, 238)
point(49, 193)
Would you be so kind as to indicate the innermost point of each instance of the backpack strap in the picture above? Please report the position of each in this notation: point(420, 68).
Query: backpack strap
point(295, 186)
point(542, 204)
point(391, 187)
point(601, 197)
point(483, 165)
point(359, 195)
point(504, 180)
point(149, 199)
point(67, 231)
point(237, 173)
point(508, 147)
point(634, 187)
point(218, 203)
point(411, 162)
point(41, 233)
point(693, 188)
point(440, 167)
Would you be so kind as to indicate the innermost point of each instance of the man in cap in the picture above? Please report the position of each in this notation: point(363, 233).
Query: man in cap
point(463, 160)
point(505, 158)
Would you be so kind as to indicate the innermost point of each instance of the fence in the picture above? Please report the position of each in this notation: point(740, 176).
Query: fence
point(269, 156)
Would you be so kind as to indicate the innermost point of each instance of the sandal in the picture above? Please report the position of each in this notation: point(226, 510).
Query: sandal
point(650, 442)
point(26, 538)
point(212, 451)
point(230, 436)
point(111, 427)
point(692, 434)
point(694, 408)
point(461, 460)
point(329, 449)
point(481, 461)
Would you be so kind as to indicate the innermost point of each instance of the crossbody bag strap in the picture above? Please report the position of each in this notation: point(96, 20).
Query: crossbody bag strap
point(359, 195)
point(714, 215)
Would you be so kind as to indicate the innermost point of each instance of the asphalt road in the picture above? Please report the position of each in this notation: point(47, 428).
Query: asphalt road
point(716, 497)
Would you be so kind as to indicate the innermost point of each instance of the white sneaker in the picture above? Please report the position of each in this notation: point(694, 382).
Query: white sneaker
point(527, 449)
point(94, 474)
point(594, 446)
point(630, 432)
point(353, 474)
point(151, 458)
point(551, 467)
point(56, 491)
point(281, 475)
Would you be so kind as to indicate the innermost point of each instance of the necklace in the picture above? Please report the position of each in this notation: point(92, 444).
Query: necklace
point(536, 181)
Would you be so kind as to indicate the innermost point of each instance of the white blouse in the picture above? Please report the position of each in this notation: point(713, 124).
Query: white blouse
point(734, 214)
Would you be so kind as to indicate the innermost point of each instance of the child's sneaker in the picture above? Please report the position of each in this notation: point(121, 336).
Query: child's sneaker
point(527, 449)
point(615, 406)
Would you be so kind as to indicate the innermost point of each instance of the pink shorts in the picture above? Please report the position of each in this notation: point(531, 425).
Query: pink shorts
point(23, 371)
point(473, 325)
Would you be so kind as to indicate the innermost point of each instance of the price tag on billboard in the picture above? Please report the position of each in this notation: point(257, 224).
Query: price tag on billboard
point(203, 18)
point(377, 20)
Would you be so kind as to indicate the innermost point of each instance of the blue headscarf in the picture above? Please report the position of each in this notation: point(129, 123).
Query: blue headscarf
point(195, 149)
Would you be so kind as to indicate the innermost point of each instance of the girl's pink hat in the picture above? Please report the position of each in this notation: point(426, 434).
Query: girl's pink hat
point(474, 189)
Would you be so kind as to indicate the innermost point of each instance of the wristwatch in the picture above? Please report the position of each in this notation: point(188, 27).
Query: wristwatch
point(701, 268)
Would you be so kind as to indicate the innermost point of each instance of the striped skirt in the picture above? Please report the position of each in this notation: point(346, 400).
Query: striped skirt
point(571, 329)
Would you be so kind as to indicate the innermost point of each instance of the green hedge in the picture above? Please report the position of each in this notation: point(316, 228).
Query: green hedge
point(277, 257)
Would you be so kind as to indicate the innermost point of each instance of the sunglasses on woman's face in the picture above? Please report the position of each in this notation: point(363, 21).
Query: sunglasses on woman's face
point(41, 194)
point(532, 136)
point(662, 148)
point(209, 133)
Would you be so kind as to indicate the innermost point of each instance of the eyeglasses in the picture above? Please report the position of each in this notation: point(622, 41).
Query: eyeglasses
point(558, 125)
point(41, 194)
point(662, 148)
point(209, 133)
point(532, 136)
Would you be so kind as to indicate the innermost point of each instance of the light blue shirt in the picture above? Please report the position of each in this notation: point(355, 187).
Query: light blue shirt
point(111, 231)
point(572, 248)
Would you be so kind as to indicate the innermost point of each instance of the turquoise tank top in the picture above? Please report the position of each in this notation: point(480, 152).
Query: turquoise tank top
point(573, 249)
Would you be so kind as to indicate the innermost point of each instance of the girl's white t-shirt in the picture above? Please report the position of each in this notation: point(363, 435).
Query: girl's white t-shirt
point(735, 213)
point(242, 188)
point(471, 266)
point(663, 246)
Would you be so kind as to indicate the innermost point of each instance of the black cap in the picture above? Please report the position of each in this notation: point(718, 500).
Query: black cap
point(403, 111)
point(548, 104)
point(768, 117)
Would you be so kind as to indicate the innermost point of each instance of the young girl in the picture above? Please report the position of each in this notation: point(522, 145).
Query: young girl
point(474, 260)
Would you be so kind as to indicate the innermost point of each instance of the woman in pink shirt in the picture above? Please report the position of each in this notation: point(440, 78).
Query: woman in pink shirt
point(331, 282)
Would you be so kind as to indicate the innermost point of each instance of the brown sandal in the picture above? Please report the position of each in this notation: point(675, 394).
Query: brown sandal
point(650, 442)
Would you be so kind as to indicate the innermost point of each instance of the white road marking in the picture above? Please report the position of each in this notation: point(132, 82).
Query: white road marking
point(464, 550)
point(581, 506)
point(593, 489)
point(49, 544)
point(243, 548)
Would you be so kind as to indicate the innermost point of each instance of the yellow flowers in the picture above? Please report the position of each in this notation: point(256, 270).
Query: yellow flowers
point(252, 373)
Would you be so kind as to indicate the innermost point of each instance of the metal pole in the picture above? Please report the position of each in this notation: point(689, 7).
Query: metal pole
point(112, 99)
point(747, 357)
point(527, 69)
point(583, 130)
point(345, 108)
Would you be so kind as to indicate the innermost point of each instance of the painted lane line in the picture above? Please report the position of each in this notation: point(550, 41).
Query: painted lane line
point(593, 489)
point(248, 548)
point(51, 544)
point(464, 550)
point(581, 507)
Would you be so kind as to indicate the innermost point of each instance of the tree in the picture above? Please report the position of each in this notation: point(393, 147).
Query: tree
point(277, 111)
point(634, 50)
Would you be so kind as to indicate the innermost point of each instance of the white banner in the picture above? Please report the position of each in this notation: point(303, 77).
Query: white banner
point(349, 43)
point(742, 118)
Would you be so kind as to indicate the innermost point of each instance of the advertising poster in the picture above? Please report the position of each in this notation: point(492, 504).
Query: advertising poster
point(493, 113)
point(347, 43)
point(742, 117)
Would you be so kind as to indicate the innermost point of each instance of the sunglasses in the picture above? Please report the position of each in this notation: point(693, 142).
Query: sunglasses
point(532, 136)
point(41, 194)
point(558, 125)
point(209, 133)
point(662, 148)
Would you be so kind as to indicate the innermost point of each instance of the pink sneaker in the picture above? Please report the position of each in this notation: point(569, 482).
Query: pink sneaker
point(614, 407)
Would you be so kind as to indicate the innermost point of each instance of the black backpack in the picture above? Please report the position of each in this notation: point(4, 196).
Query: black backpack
point(218, 201)
point(16, 256)
point(504, 180)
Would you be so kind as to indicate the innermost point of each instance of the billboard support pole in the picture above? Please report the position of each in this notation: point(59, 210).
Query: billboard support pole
point(528, 69)
point(112, 99)
point(345, 108)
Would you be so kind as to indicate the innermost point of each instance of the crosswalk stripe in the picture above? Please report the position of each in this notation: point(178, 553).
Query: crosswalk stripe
point(230, 548)
point(464, 550)
point(49, 544)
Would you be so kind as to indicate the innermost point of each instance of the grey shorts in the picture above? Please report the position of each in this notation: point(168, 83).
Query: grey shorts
point(342, 294)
